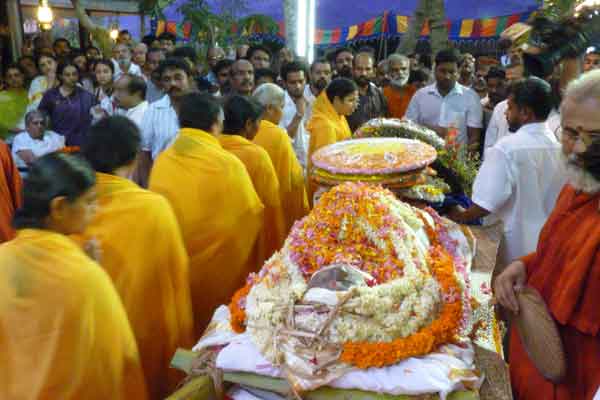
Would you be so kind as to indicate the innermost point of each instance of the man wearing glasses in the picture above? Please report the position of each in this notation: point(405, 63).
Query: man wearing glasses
point(565, 267)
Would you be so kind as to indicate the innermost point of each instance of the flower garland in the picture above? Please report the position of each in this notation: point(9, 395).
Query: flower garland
point(338, 231)
point(237, 309)
point(442, 330)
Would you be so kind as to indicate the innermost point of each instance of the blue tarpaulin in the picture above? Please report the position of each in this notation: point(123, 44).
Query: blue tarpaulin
point(333, 14)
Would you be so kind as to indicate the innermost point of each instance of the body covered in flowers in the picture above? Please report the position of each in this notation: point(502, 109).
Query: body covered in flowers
point(363, 281)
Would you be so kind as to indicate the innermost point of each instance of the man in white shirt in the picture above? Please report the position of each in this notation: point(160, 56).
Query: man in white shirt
point(320, 76)
point(35, 141)
point(294, 110)
point(160, 123)
point(522, 174)
point(130, 94)
point(498, 126)
point(122, 62)
point(447, 105)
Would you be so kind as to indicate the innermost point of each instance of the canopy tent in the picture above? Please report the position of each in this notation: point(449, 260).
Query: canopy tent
point(333, 14)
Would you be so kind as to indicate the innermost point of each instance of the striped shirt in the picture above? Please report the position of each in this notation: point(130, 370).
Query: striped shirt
point(159, 126)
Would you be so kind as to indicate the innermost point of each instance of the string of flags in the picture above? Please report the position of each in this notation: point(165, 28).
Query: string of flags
point(392, 25)
point(389, 25)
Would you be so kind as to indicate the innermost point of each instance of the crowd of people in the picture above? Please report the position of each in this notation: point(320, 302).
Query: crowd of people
point(191, 170)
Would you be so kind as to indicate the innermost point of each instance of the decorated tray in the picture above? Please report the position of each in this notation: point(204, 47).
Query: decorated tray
point(400, 128)
point(374, 156)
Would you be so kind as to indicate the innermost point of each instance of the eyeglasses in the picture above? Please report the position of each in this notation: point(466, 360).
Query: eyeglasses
point(37, 123)
point(576, 135)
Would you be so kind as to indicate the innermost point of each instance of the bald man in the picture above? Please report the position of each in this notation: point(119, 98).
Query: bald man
point(372, 102)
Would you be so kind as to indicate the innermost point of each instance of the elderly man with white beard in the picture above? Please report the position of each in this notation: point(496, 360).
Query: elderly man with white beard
point(398, 92)
point(565, 267)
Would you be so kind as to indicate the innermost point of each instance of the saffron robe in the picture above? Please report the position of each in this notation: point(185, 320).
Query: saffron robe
point(263, 176)
point(143, 252)
point(326, 127)
point(64, 333)
point(219, 213)
point(292, 190)
point(565, 269)
point(10, 192)
point(398, 101)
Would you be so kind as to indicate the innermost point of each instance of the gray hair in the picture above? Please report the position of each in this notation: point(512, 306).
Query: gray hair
point(35, 113)
point(269, 94)
point(398, 58)
point(585, 87)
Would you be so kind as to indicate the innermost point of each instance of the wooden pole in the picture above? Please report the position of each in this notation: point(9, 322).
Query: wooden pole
point(15, 24)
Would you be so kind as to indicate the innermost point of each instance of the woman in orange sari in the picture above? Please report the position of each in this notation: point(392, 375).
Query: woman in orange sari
point(64, 333)
point(328, 124)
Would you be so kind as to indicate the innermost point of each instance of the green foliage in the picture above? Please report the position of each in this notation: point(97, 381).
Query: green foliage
point(555, 9)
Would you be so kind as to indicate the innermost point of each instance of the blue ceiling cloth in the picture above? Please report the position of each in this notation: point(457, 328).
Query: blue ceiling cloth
point(341, 13)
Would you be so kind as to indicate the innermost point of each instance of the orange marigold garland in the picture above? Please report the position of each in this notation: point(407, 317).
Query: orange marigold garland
point(368, 354)
point(237, 309)
point(442, 330)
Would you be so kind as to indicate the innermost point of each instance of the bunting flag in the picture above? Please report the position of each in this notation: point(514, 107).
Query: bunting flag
point(391, 25)
point(182, 31)
point(388, 25)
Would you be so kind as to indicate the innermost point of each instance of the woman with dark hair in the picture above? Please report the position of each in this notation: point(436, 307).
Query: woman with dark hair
point(209, 187)
point(136, 267)
point(242, 121)
point(104, 71)
point(13, 101)
point(54, 295)
point(328, 123)
point(69, 106)
point(79, 58)
point(47, 80)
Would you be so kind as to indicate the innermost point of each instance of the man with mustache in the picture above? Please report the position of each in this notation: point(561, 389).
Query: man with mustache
point(160, 124)
point(343, 59)
point(565, 266)
point(294, 119)
point(522, 173)
point(372, 102)
point(242, 78)
point(122, 62)
point(498, 126)
point(447, 106)
point(320, 76)
point(399, 92)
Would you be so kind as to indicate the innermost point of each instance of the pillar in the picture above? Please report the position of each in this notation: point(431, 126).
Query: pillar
point(15, 24)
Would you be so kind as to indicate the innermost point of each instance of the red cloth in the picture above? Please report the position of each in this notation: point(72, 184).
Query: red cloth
point(565, 269)
point(398, 101)
point(10, 192)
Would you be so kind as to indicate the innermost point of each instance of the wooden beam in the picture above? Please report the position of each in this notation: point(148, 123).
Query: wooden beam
point(114, 6)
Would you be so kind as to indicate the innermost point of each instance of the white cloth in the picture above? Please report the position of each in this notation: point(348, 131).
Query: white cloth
point(134, 69)
point(498, 126)
point(519, 181)
point(50, 142)
point(136, 114)
point(301, 141)
point(159, 126)
point(553, 123)
point(460, 108)
point(310, 102)
point(37, 88)
point(432, 373)
point(428, 374)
